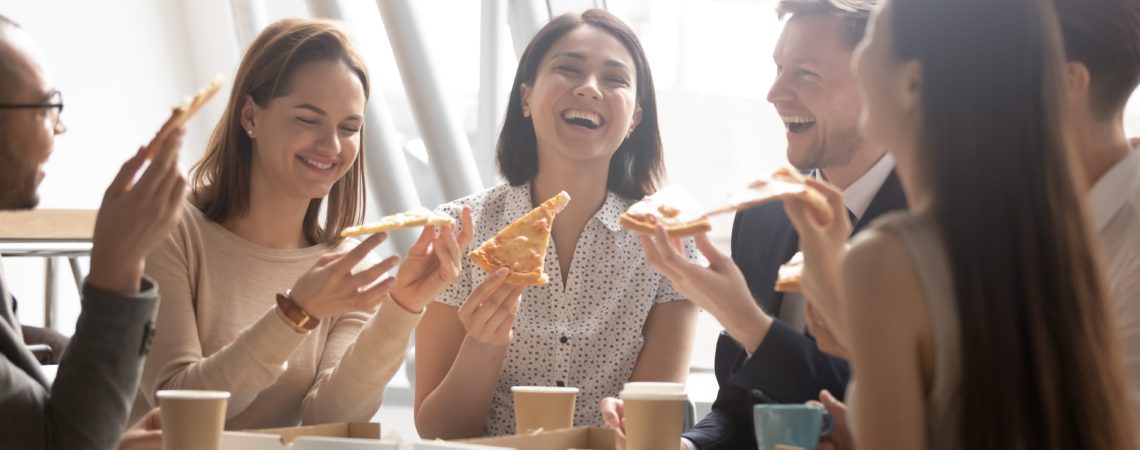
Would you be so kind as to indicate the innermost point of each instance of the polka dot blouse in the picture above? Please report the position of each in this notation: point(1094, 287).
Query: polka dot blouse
point(586, 334)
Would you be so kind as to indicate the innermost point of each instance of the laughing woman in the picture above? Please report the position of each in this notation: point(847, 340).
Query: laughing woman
point(260, 297)
point(582, 119)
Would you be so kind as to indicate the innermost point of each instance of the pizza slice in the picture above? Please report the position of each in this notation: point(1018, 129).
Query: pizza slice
point(183, 113)
point(790, 273)
point(671, 207)
point(782, 184)
point(419, 217)
point(521, 246)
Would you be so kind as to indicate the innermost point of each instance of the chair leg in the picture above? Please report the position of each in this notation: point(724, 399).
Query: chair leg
point(49, 293)
point(76, 272)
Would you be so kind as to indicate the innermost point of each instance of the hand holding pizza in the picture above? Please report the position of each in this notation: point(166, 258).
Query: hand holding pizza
point(331, 288)
point(432, 264)
point(489, 313)
point(823, 240)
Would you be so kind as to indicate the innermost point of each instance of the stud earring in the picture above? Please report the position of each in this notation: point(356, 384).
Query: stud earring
point(249, 132)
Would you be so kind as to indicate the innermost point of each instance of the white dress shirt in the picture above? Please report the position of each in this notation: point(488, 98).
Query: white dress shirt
point(1115, 205)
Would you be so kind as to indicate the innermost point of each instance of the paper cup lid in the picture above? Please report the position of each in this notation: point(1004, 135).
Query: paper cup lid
point(654, 391)
point(545, 390)
point(194, 395)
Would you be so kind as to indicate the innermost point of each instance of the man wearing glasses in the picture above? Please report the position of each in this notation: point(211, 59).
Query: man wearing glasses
point(87, 405)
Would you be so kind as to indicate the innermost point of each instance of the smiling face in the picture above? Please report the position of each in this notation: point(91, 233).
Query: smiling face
point(583, 102)
point(28, 134)
point(306, 140)
point(815, 92)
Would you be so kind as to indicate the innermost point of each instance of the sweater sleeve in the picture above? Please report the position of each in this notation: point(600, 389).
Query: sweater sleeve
point(87, 406)
point(245, 367)
point(352, 375)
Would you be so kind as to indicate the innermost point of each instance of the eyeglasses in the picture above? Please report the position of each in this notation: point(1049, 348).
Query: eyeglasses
point(55, 103)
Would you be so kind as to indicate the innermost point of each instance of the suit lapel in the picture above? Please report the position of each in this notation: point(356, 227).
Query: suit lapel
point(889, 198)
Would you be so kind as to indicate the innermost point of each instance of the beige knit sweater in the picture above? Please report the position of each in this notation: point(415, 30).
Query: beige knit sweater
point(217, 330)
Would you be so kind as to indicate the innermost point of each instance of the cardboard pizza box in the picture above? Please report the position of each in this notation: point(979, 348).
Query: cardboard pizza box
point(569, 438)
point(331, 436)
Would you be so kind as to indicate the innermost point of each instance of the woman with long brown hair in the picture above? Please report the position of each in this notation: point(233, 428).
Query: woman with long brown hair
point(978, 320)
point(262, 297)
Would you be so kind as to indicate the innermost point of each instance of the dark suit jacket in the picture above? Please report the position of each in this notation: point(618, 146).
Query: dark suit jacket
point(787, 367)
point(87, 405)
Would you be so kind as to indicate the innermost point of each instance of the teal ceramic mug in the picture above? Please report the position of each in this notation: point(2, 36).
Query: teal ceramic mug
point(793, 424)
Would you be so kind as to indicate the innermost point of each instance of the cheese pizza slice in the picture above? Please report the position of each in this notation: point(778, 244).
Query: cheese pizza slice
point(671, 207)
point(521, 246)
point(419, 217)
point(782, 184)
point(182, 113)
point(790, 273)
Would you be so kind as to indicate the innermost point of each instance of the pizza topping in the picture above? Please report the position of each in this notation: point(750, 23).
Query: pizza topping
point(671, 207)
point(521, 246)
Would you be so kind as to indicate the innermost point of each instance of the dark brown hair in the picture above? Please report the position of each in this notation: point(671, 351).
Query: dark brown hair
point(855, 13)
point(1040, 368)
point(1104, 35)
point(638, 166)
point(220, 181)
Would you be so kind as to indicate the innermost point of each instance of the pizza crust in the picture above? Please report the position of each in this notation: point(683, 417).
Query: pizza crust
point(419, 217)
point(784, 183)
point(790, 274)
point(183, 113)
point(672, 207)
point(641, 226)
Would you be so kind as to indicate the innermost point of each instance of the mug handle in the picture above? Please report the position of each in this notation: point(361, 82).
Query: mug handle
point(829, 424)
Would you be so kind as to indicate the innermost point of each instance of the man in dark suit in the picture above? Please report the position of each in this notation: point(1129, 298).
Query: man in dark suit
point(87, 405)
point(766, 353)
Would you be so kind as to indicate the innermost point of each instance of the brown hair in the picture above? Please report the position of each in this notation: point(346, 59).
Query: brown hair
point(220, 181)
point(1104, 35)
point(855, 13)
point(1040, 368)
point(638, 166)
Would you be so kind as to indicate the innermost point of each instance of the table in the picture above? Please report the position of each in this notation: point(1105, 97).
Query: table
point(49, 234)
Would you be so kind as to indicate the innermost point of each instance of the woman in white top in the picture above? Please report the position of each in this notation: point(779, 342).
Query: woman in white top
point(582, 118)
point(263, 298)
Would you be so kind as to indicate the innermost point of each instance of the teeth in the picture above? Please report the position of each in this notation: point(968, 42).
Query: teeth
point(319, 165)
point(797, 119)
point(586, 115)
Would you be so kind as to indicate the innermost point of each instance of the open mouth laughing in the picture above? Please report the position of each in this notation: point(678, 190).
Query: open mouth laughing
point(585, 119)
point(798, 124)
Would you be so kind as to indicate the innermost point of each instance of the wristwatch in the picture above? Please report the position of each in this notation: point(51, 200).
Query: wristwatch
point(297, 319)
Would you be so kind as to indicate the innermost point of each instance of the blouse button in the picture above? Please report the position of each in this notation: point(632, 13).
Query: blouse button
point(564, 339)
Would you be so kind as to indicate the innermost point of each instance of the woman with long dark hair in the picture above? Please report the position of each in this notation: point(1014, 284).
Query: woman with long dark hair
point(582, 118)
point(978, 320)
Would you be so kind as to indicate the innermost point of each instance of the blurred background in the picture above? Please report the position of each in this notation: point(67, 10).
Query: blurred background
point(441, 73)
